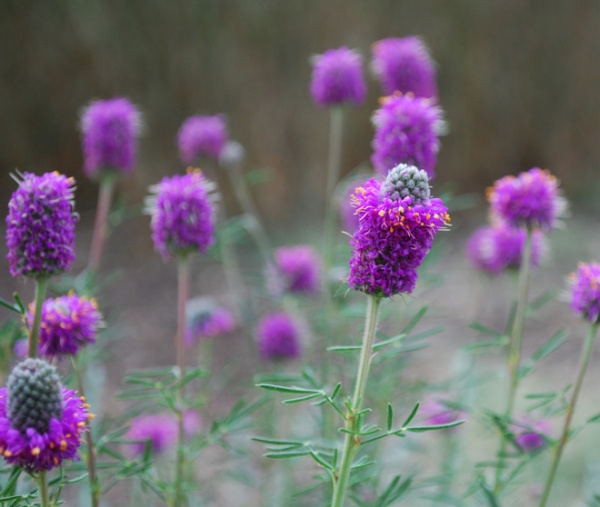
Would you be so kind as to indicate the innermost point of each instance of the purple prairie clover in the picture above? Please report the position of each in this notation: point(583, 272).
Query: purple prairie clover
point(531, 435)
point(404, 65)
point(531, 199)
point(278, 337)
point(585, 291)
point(183, 214)
point(498, 247)
point(206, 319)
point(407, 130)
point(41, 422)
point(394, 234)
point(110, 129)
point(438, 412)
point(337, 78)
point(202, 136)
point(68, 323)
point(300, 268)
point(40, 225)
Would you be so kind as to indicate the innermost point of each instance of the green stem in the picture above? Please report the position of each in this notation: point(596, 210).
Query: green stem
point(352, 438)
point(107, 184)
point(43, 488)
point(585, 358)
point(34, 335)
point(514, 352)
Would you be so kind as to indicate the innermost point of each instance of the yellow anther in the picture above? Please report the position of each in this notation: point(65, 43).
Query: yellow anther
point(35, 451)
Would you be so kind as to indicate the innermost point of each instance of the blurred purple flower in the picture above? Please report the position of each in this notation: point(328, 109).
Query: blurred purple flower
point(338, 78)
point(202, 136)
point(438, 412)
point(585, 291)
point(300, 267)
point(404, 65)
point(110, 128)
point(531, 435)
point(278, 337)
point(21, 348)
point(40, 225)
point(205, 319)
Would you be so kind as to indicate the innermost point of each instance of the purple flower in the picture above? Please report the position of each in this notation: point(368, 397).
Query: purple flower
point(183, 214)
point(300, 267)
point(347, 210)
point(110, 128)
point(498, 247)
point(531, 199)
point(338, 78)
point(278, 337)
point(394, 234)
point(585, 291)
point(21, 348)
point(41, 422)
point(205, 319)
point(438, 412)
point(404, 65)
point(406, 131)
point(531, 435)
point(40, 225)
point(68, 324)
point(202, 136)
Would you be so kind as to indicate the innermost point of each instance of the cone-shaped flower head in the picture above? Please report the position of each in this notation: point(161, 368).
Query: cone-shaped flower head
point(278, 337)
point(531, 199)
point(337, 78)
point(393, 237)
point(40, 226)
point(110, 130)
point(202, 136)
point(300, 268)
point(40, 421)
point(585, 291)
point(68, 324)
point(206, 319)
point(498, 247)
point(404, 65)
point(407, 130)
point(183, 214)
point(531, 435)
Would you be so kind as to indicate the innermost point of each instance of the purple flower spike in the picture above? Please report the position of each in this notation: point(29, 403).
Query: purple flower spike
point(202, 136)
point(40, 225)
point(338, 78)
point(41, 422)
point(205, 319)
point(183, 214)
point(406, 132)
point(531, 435)
point(531, 199)
point(110, 128)
point(301, 268)
point(498, 247)
point(585, 291)
point(404, 65)
point(278, 337)
point(68, 324)
point(394, 233)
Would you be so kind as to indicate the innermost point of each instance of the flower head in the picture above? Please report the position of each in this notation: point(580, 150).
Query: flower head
point(438, 412)
point(40, 226)
point(404, 65)
point(585, 291)
point(500, 246)
point(202, 136)
point(393, 237)
point(338, 78)
point(41, 422)
point(68, 324)
point(183, 214)
point(110, 128)
point(406, 131)
point(300, 268)
point(206, 319)
point(531, 435)
point(531, 199)
point(278, 337)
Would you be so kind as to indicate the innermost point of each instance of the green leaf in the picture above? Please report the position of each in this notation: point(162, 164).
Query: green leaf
point(422, 429)
point(286, 455)
point(302, 398)
point(390, 417)
point(478, 326)
point(415, 320)
point(556, 341)
point(276, 441)
point(488, 493)
point(291, 390)
point(411, 416)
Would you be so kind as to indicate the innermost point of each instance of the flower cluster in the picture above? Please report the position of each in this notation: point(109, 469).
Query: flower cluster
point(338, 78)
point(585, 291)
point(41, 422)
point(183, 214)
point(110, 128)
point(68, 324)
point(300, 267)
point(40, 225)
point(407, 130)
point(392, 239)
point(278, 337)
point(205, 319)
point(202, 136)
point(404, 65)
point(531, 435)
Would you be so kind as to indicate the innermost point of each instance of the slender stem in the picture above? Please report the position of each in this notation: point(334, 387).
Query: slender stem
point(34, 335)
point(514, 352)
point(585, 358)
point(352, 438)
point(107, 184)
point(43, 488)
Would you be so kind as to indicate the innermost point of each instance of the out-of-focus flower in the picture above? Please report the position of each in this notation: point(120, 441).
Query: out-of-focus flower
point(206, 319)
point(300, 268)
point(338, 78)
point(585, 291)
point(278, 337)
point(202, 136)
point(404, 65)
point(531, 435)
point(40, 225)
point(21, 348)
point(438, 412)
